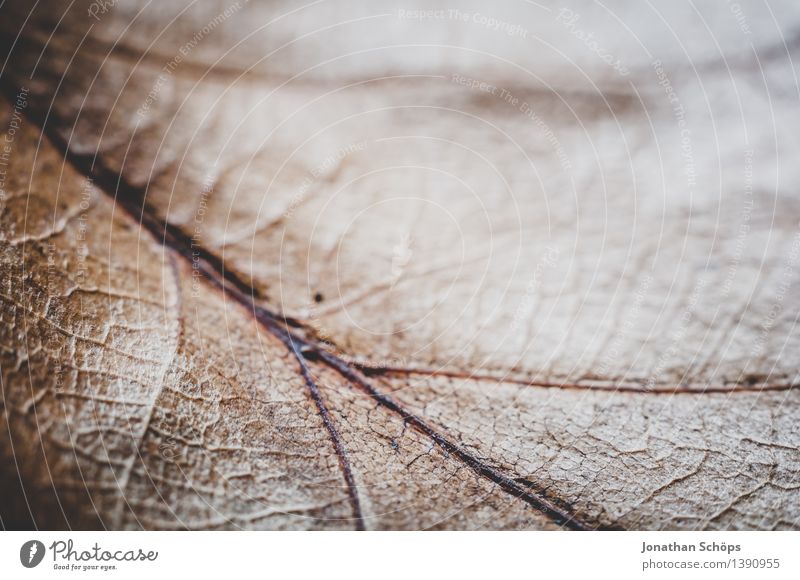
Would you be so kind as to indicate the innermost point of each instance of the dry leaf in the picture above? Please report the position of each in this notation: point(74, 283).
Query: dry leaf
point(338, 266)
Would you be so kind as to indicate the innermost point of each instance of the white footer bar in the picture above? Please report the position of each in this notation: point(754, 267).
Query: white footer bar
point(396, 555)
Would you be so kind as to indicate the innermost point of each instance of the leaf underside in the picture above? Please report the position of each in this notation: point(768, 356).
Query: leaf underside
point(282, 267)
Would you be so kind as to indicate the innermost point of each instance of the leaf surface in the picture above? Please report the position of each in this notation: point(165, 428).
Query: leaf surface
point(287, 267)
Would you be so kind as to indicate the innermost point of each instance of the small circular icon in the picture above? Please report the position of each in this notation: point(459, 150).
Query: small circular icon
point(31, 553)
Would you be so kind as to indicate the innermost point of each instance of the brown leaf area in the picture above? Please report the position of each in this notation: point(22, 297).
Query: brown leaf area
point(274, 266)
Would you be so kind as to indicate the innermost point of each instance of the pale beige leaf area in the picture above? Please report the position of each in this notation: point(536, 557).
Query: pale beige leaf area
point(353, 266)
